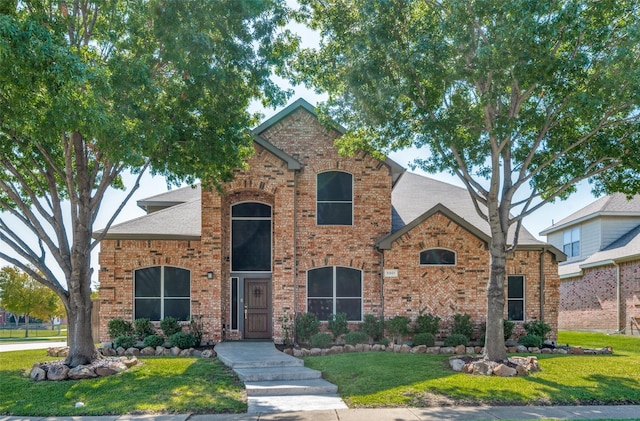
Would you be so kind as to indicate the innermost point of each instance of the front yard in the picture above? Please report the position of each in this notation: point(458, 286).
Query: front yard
point(388, 380)
point(194, 385)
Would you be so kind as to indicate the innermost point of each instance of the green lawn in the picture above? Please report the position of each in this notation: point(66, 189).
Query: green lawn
point(17, 335)
point(160, 384)
point(387, 380)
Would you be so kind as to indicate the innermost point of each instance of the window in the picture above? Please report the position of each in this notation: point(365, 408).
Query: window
point(235, 307)
point(162, 291)
point(515, 297)
point(334, 289)
point(251, 237)
point(437, 257)
point(334, 198)
point(571, 242)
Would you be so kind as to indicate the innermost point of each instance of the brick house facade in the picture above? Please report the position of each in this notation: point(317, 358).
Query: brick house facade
point(303, 228)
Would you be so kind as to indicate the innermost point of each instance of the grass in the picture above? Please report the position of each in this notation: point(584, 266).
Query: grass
point(160, 384)
point(388, 380)
point(17, 335)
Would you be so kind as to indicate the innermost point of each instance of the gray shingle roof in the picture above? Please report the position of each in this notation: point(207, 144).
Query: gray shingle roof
point(615, 204)
point(179, 222)
point(415, 194)
point(172, 197)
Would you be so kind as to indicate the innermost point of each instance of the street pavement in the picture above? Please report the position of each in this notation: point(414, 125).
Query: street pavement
point(21, 346)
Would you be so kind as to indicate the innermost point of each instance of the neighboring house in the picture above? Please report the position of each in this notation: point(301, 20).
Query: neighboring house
point(303, 229)
point(600, 281)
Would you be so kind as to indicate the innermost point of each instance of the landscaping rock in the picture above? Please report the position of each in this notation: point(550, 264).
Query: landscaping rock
point(132, 351)
point(470, 350)
point(456, 364)
point(460, 350)
point(58, 372)
point(288, 351)
point(447, 350)
point(349, 348)
point(484, 368)
point(522, 349)
point(576, 350)
point(130, 362)
point(377, 348)
point(298, 353)
point(105, 371)
point(433, 350)
point(148, 351)
point(504, 371)
point(175, 351)
point(419, 349)
point(210, 353)
point(405, 349)
point(120, 350)
point(337, 349)
point(37, 374)
point(186, 352)
point(559, 351)
point(315, 352)
point(196, 353)
point(107, 351)
point(512, 349)
point(82, 372)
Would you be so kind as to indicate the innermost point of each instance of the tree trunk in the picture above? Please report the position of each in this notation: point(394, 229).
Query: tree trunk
point(494, 338)
point(26, 325)
point(80, 340)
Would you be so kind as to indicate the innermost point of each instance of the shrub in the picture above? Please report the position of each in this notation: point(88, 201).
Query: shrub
point(537, 328)
point(530, 341)
point(355, 338)
point(338, 325)
point(398, 326)
point(508, 329)
point(119, 327)
point(170, 326)
point(462, 325)
point(125, 341)
point(424, 338)
point(456, 339)
point(427, 323)
point(182, 340)
point(196, 328)
point(384, 341)
point(373, 327)
point(153, 341)
point(307, 325)
point(321, 340)
point(143, 328)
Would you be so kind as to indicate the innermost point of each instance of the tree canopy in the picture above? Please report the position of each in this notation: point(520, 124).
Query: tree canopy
point(91, 89)
point(519, 99)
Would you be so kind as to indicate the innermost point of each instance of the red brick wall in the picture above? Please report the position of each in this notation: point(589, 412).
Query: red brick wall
point(590, 302)
point(446, 290)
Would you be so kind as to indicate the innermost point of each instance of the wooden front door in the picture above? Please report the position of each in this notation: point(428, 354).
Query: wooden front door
point(257, 308)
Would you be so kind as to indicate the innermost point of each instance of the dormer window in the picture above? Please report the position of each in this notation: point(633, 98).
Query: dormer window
point(438, 257)
point(571, 242)
point(334, 197)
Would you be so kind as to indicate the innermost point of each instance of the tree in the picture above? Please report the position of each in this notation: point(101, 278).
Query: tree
point(22, 295)
point(89, 90)
point(519, 99)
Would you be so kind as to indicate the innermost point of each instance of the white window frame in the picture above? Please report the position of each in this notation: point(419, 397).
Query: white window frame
point(570, 237)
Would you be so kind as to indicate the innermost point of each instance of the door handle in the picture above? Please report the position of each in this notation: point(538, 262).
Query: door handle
point(245, 312)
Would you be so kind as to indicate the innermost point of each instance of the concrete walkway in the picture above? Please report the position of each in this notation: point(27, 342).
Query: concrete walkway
point(277, 382)
point(20, 346)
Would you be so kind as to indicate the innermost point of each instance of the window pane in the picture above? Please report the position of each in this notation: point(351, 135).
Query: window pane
point(147, 282)
point(251, 245)
point(516, 310)
point(148, 308)
point(567, 250)
point(178, 308)
point(320, 282)
point(515, 287)
point(575, 249)
point(348, 282)
point(351, 306)
point(335, 186)
point(234, 303)
point(321, 307)
point(437, 257)
point(566, 236)
point(335, 213)
point(251, 210)
point(575, 234)
point(176, 282)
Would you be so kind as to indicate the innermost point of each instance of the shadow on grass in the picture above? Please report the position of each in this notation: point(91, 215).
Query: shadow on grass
point(159, 384)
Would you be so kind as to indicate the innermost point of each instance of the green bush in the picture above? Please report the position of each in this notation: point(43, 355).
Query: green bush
point(143, 328)
point(307, 325)
point(462, 325)
point(355, 338)
point(119, 327)
point(338, 325)
point(537, 328)
point(373, 327)
point(170, 326)
point(456, 339)
point(321, 340)
point(153, 341)
point(384, 341)
point(426, 323)
point(531, 341)
point(196, 328)
point(182, 340)
point(508, 329)
point(424, 338)
point(125, 341)
point(398, 326)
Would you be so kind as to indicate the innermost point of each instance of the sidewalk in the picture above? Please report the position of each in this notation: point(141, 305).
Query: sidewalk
point(392, 414)
point(21, 346)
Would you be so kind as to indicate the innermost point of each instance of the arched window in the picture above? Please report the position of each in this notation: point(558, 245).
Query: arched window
point(438, 256)
point(250, 237)
point(334, 198)
point(334, 289)
point(162, 291)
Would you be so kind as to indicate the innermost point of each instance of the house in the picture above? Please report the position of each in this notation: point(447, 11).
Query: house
point(600, 280)
point(304, 229)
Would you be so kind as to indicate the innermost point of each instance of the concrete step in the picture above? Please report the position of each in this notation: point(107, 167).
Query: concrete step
point(260, 374)
point(276, 360)
point(290, 387)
